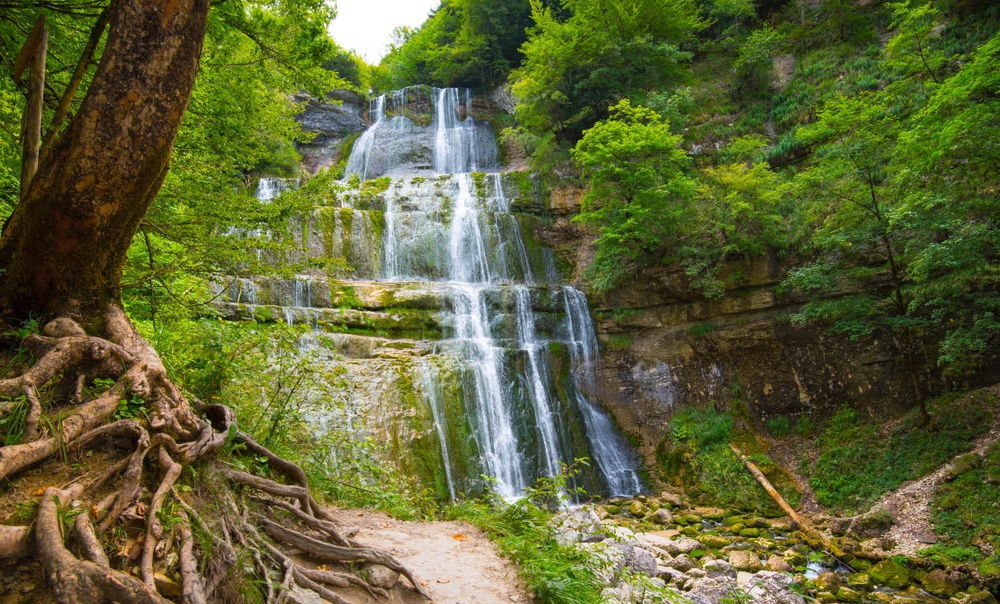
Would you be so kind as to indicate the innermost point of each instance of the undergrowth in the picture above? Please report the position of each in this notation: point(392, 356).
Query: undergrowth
point(966, 509)
point(698, 455)
point(861, 459)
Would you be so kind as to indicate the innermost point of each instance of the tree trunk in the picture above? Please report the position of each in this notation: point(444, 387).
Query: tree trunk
point(64, 247)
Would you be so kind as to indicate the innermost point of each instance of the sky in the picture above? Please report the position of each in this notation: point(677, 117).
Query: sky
point(365, 26)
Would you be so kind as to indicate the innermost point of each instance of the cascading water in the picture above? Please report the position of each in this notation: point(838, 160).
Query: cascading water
point(459, 231)
point(508, 380)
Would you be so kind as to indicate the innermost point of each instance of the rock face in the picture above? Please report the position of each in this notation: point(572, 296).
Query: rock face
point(332, 121)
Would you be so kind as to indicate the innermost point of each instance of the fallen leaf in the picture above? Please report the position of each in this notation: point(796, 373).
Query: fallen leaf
point(361, 513)
point(444, 580)
point(322, 567)
point(94, 511)
point(425, 583)
point(460, 537)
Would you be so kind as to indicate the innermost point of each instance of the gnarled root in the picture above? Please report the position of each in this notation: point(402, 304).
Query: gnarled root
point(172, 439)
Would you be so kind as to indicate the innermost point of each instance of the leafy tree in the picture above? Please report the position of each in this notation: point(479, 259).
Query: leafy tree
point(739, 214)
point(607, 50)
point(862, 228)
point(910, 51)
point(753, 61)
point(638, 189)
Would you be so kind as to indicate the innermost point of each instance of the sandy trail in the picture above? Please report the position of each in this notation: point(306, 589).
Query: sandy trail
point(458, 572)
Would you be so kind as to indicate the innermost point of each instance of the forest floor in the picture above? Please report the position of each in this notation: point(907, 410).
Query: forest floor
point(463, 570)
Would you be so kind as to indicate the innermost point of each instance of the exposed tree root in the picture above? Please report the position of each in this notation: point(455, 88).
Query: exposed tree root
point(85, 519)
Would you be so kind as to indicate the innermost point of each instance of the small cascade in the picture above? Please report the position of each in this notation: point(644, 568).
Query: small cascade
point(269, 188)
point(420, 130)
point(430, 382)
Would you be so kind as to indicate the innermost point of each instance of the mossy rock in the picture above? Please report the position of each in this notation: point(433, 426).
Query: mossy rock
point(860, 581)
point(713, 541)
point(860, 564)
point(825, 596)
point(736, 528)
point(890, 573)
point(680, 520)
point(757, 523)
point(977, 597)
point(750, 533)
point(690, 532)
point(963, 464)
point(614, 510)
point(846, 594)
point(795, 558)
point(692, 518)
point(940, 584)
point(637, 509)
point(731, 520)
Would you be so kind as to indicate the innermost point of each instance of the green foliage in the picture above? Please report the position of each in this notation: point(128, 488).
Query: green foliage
point(779, 427)
point(619, 342)
point(575, 70)
point(638, 189)
point(965, 509)
point(463, 43)
point(859, 461)
point(754, 57)
point(910, 52)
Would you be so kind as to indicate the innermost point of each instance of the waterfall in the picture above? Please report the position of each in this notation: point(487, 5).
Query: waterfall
point(522, 345)
point(398, 142)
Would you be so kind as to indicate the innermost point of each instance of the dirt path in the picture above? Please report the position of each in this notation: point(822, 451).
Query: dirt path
point(910, 503)
point(457, 571)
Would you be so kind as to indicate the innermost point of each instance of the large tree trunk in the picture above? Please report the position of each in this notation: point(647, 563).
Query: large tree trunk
point(61, 259)
point(65, 244)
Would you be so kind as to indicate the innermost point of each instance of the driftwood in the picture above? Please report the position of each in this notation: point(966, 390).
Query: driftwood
point(803, 526)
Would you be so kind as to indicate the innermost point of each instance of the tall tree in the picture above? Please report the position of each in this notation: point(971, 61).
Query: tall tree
point(61, 256)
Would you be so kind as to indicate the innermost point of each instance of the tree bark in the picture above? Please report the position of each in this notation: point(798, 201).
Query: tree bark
point(66, 243)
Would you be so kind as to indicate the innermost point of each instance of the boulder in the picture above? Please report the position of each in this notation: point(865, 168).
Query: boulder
point(682, 563)
point(668, 545)
point(637, 509)
point(745, 561)
point(860, 581)
point(825, 596)
point(714, 591)
point(689, 545)
point(609, 559)
point(671, 499)
point(828, 582)
point(641, 562)
point(663, 516)
point(576, 525)
point(719, 568)
point(778, 564)
point(977, 597)
point(795, 557)
point(846, 594)
point(773, 588)
point(672, 575)
point(381, 576)
point(750, 533)
point(873, 524)
point(713, 541)
point(890, 574)
point(940, 584)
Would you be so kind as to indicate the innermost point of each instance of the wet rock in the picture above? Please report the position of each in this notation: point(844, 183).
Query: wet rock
point(641, 562)
point(795, 557)
point(381, 576)
point(860, 564)
point(663, 516)
point(746, 561)
point(713, 541)
point(860, 581)
point(778, 564)
point(846, 594)
point(828, 582)
point(637, 509)
point(825, 596)
point(940, 584)
point(890, 574)
point(979, 597)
